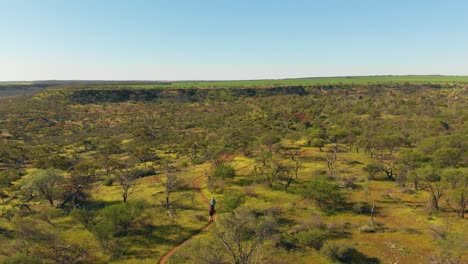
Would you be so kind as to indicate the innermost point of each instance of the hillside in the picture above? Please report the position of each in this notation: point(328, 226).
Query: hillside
point(315, 170)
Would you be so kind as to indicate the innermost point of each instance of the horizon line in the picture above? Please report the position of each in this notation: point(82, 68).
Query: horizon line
point(229, 80)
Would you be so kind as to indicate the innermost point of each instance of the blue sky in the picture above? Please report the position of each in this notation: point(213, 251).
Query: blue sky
point(220, 39)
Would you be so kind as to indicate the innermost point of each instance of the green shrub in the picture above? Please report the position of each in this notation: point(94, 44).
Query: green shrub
point(362, 208)
point(325, 192)
point(224, 171)
point(231, 200)
point(85, 217)
point(108, 181)
point(335, 251)
point(312, 238)
point(9, 176)
point(139, 173)
point(118, 218)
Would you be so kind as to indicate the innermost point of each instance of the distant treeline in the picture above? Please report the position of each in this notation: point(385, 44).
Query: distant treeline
point(100, 95)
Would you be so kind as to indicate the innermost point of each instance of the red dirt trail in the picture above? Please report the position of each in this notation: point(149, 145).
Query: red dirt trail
point(196, 186)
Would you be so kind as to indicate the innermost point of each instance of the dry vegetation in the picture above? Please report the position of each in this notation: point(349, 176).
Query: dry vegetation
point(351, 173)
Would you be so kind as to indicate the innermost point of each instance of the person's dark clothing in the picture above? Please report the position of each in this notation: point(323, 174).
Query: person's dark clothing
point(212, 210)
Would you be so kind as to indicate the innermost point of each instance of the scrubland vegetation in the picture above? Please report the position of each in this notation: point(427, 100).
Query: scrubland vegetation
point(369, 171)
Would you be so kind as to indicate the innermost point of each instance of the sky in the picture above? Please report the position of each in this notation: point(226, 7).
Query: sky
point(227, 40)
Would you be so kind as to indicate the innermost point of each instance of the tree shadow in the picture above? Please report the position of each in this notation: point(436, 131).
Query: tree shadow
point(97, 204)
point(352, 256)
point(139, 241)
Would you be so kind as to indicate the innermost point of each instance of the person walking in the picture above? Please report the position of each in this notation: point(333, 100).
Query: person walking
point(211, 212)
point(212, 209)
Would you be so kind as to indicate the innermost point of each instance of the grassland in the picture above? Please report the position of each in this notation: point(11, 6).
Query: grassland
point(259, 133)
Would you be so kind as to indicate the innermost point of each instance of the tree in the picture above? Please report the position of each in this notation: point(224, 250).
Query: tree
point(144, 155)
point(13, 155)
point(241, 234)
point(264, 166)
point(412, 159)
point(39, 239)
point(170, 182)
point(331, 159)
point(126, 179)
point(116, 220)
point(433, 184)
point(224, 171)
point(318, 143)
point(325, 192)
point(457, 196)
point(290, 171)
point(79, 184)
point(451, 242)
point(446, 157)
point(387, 166)
point(46, 183)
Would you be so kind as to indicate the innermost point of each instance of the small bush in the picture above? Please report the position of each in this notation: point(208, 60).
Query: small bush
point(108, 181)
point(335, 251)
point(312, 238)
point(139, 173)
point(362, 208)
point(367, 229)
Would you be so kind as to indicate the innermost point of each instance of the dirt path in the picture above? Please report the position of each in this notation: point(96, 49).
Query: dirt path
point(196, 186)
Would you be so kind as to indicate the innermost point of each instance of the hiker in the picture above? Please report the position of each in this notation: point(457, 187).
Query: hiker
point(212, 212)
point(213, 201)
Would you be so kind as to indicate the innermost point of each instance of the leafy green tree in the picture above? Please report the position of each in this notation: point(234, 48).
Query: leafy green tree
point(224, 171)
point(144, 155)
point(412, 159)
point(325, 192)
point(118, 218)
point(46, 183)
point(78, 185)
point(13, 154)
point(433, 184)
point(447, 157)
point(457, 194)
point(318, 143)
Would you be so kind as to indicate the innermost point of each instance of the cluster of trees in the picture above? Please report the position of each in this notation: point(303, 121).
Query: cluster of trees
point(57, 147)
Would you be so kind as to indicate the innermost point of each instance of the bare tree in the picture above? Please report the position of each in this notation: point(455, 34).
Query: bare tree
point(241, 235)
point(170, 182)
point(126, 179)
point(331, 158)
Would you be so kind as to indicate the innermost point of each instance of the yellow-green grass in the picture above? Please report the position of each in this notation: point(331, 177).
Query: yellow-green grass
point(405, 225)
